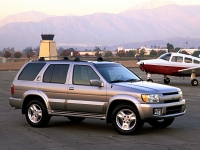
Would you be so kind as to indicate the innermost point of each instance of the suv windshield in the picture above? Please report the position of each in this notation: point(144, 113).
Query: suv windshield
point(116, 73)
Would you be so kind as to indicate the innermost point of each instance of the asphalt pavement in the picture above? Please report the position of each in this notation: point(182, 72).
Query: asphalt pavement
point(17, 134)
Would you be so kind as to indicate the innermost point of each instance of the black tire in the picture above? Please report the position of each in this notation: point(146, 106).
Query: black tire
point(194, 82)
point(75, 119)
point(163, 123)
point(149, 80)
point(166, 80)
point(36, 113)
point(126, 120)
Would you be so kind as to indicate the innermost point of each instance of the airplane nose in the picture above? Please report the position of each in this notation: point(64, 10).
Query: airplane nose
point(140, 62)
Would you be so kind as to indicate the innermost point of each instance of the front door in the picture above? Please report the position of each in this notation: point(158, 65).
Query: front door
point(82, 96)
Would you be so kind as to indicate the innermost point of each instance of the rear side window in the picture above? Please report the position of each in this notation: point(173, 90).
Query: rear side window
point(30, 71)
point(56, 73)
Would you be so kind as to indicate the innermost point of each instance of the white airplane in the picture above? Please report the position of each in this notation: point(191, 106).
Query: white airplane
point(172, 64)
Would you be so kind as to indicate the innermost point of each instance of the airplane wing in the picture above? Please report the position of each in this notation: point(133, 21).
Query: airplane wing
point(190, 70)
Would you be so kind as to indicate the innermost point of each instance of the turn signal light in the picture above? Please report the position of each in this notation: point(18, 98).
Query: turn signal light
point(12, 89)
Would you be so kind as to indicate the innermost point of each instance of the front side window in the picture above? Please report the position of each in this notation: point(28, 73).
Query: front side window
point(56, 73)
point(82, 75)
point(30, 71)
point(116, 73)
point(177, 59)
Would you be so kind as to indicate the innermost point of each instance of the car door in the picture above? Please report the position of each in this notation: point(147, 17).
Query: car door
point(82, 96)
point(54, 85)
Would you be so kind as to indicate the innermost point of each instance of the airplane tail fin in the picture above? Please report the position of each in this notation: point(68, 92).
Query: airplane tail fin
point(138, 60)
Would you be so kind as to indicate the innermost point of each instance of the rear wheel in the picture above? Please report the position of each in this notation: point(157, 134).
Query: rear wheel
point(163, 123)
point(36, 113)
point(75, 119)
point(125, 119)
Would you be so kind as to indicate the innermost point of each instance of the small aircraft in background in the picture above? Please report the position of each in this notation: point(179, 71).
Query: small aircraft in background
point(172, 64)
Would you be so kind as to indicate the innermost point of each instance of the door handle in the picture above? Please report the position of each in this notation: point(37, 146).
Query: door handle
point(71, 88)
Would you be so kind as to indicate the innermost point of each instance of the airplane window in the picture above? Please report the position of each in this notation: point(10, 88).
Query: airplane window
point(177, 59)
point(196, 62)
point(188, 60)
point(165, 56)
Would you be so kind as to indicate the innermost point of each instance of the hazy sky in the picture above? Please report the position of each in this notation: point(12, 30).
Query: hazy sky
point(76, 7)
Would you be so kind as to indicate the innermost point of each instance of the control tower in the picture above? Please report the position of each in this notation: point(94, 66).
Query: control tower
point(48, 47)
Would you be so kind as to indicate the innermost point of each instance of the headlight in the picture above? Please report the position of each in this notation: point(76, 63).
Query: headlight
point(181, 93)
point(150, 98)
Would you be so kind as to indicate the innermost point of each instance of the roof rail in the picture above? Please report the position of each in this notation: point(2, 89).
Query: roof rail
point(99, 59)
point(76, 59)
point(41, 59)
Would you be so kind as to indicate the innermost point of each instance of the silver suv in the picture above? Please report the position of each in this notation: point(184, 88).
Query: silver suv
point(93, 89)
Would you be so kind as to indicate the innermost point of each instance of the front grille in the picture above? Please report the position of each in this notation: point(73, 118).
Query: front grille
point(172, 101)
point(171, 93)
point(173, 109)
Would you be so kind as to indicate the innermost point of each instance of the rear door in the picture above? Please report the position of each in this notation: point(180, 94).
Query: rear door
point(54, 85)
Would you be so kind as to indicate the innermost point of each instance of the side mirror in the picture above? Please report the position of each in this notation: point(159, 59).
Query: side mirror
point(96, 82)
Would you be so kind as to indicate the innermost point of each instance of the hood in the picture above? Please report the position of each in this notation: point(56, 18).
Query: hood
point(147, 87)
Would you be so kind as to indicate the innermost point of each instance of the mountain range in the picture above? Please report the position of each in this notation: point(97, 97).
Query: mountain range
point(149, 23)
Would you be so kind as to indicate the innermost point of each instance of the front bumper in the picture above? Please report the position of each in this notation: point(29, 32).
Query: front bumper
point(168, 110)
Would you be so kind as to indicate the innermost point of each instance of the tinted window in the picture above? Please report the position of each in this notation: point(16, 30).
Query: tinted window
point(30, 71)
point(48, 74)
point(56, 73)
point(82, 75)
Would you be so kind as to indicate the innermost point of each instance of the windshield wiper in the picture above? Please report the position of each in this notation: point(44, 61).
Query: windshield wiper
point(132, 80)
point(116, 81)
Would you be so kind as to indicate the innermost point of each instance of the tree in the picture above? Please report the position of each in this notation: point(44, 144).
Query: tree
point(196, 54)
point(86, 54)
point(142, 52)
point(17, 55)
point(29, 55)
point(1, 53)
point(7, 54)
point(97, 54)
point(160, 52)
point(170, 47)
point(64, 53)
point(153, 53)
point(131, 53)
point(177, 49)
point(97, 49)
point(108, 53)
point(121, 53)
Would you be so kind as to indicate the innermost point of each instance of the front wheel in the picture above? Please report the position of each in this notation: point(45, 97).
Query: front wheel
point(166, 80)
point(126, 120)
point(163, 123)
point(36, 113)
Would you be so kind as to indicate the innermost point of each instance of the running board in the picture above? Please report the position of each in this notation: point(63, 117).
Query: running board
point(78, 114)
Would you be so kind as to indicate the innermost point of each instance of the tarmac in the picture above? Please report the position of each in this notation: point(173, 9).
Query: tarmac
point(60, 134)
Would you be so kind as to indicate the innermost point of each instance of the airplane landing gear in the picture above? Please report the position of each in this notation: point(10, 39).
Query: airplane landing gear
point(149, 77)
point(194, 82)
point(166, 80)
